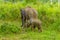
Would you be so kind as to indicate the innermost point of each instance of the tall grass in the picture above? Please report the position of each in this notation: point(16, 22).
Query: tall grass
point(48, 14)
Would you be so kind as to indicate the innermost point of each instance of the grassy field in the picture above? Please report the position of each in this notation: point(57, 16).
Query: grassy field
point(28, 35)
point(10, 21)
point(46, 35)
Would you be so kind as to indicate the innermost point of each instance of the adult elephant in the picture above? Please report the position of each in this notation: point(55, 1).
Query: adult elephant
point(27, 13)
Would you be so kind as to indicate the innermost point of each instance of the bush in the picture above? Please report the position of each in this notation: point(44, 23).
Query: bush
point(9, 28)
point(10, 11)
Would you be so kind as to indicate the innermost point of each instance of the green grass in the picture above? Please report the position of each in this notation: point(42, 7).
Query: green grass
point(10, 22)
point(29, 35)
point(46, 35)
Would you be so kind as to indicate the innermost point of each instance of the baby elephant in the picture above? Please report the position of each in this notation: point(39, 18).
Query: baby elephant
point(34, 23)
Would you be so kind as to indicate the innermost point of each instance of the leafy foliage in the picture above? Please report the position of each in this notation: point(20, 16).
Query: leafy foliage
point(48, 14)
point(9, 28)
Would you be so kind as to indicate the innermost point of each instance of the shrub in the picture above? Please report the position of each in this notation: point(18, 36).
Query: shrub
point(9, 28)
